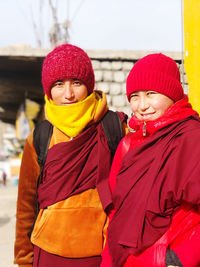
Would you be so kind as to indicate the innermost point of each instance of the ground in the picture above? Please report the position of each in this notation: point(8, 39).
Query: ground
point(8, 196)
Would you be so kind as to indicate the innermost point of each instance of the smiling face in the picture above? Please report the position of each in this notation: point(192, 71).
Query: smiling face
point(149, 105)
point(68, 91)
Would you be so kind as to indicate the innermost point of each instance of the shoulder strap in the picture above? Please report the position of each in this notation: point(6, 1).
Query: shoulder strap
point(41, 140)
point(112, 127)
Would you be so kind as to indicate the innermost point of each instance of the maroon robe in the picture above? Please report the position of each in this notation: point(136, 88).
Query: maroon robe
point(71, 168)
point(153, 180)
point(45, 259)
point(75, 166)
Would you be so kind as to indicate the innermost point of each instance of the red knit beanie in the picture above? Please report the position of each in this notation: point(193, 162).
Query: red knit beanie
point(155, 72)
point(67, 62)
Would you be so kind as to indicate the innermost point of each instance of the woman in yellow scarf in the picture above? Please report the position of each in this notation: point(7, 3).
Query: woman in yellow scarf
point(71, 225)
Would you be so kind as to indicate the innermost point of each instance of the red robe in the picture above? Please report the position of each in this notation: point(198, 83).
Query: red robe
point(155, 181)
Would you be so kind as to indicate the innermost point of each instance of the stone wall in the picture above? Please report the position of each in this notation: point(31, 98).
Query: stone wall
point(23, 67)
point(111, 70)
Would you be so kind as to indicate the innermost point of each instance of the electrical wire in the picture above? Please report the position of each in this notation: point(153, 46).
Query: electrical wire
point(68, 9)
point(77, 10)
point(24, 13)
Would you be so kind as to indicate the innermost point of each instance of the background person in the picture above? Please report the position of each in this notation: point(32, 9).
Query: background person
point(4, 177)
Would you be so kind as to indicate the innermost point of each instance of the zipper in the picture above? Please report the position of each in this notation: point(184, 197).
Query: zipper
point(144, 132)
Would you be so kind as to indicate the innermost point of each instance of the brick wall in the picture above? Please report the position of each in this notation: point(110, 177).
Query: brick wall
point(111, 69)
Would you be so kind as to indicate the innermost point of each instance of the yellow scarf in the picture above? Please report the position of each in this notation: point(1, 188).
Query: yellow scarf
point(72, 119)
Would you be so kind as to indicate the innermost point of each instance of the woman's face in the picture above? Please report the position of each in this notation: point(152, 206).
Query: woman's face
point(149, 105)
point(68, 91)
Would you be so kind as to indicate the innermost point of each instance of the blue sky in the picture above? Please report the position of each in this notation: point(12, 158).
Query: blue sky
point(97, 24)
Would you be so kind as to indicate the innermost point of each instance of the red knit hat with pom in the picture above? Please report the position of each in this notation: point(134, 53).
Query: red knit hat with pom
point(155, 72)
point(67, 62)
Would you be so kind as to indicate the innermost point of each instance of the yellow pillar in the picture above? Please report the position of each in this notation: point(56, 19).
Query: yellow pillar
point(191, 22)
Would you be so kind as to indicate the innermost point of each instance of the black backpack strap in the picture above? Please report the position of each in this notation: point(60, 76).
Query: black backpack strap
point(41, 140)
point(112, 127)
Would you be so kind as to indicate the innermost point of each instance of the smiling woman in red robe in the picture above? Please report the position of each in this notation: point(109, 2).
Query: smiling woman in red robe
point(155, 176)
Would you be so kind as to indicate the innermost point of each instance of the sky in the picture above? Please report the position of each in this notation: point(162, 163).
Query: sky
point(96, 24)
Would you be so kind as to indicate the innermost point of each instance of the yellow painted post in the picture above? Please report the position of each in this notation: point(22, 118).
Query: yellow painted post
point(191, 22)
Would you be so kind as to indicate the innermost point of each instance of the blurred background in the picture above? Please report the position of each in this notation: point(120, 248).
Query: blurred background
point(93, 24)
point(114, 33)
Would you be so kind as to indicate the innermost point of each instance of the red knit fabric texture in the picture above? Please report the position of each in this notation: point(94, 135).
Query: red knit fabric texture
point(67, 62)
point(155, 72)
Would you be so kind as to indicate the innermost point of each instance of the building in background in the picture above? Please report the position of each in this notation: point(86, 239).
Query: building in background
point(21, 94)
